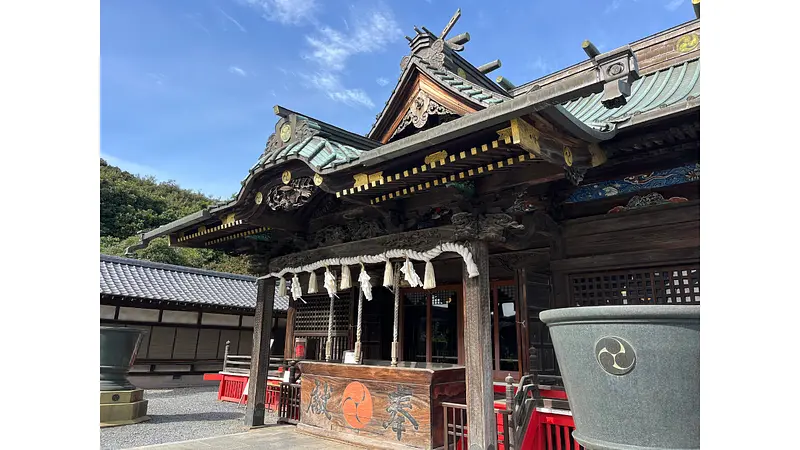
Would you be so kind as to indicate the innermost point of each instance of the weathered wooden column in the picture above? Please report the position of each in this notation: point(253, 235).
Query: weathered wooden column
point(288, 346)
point(478, 357)
point(396, 327)
point(259, 364)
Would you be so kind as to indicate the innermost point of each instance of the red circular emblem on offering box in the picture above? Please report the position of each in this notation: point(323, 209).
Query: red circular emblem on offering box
point(357, 405)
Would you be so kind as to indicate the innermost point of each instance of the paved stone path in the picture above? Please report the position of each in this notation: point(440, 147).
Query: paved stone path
point(276, 437)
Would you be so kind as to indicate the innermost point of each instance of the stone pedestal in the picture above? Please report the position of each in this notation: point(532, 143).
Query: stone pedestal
point(122, 407)
point(121, 403)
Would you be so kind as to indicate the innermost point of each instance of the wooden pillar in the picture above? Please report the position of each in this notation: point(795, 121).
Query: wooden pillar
point(523, 338)
point(259, 364)
point(478, 358)
point(288, 346)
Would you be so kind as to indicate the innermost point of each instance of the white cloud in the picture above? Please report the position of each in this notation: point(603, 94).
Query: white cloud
point(197, 20)
point(234, 21)
point(158, 78)
point(540, 67)
point(330, 49)
point(287, 12)
point(237, 70)
point(382, 81)
point(672, 5)
point(613, 6)
point(331, 85)
point(369, 33)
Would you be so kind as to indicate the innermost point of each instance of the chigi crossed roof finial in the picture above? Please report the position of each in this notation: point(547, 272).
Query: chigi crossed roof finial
point(451, 23)
point(425, 37)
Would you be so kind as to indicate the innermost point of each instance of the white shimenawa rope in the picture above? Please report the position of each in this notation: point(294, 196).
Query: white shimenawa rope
point(463, 251)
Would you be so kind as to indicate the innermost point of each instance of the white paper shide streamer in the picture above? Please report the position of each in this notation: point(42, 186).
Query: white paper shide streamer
point(297, 290)
point(366, 287)
point(330, 283)
point(409, 274)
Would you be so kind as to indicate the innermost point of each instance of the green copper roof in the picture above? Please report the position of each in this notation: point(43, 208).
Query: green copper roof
point(320, 146)
point(318, 151)
point(660, 89)
point(466, 88)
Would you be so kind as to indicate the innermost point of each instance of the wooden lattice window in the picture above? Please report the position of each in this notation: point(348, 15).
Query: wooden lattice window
point(430, 324)
point(311, 318)
point(679, 285)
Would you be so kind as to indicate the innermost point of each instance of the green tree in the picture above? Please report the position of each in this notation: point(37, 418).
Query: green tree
point(130, 204)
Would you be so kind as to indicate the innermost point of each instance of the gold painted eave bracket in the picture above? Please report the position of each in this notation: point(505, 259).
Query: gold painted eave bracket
point(551, 146)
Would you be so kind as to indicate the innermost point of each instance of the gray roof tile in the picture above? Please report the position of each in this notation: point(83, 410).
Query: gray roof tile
point(144, 279)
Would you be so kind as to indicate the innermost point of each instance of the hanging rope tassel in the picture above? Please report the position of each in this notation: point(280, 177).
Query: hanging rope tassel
point(282, 287)
point(297, 290)
point(330, 286)
point(313, 287)
point(388, 276)
point(430, 277)
point(346, 283)
point(395, 328)
point(410, 275)
point(366, 287)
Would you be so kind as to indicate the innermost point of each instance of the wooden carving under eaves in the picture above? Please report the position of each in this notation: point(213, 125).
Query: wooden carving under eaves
point(544, 140)
point(485, 227)
point(421, 100)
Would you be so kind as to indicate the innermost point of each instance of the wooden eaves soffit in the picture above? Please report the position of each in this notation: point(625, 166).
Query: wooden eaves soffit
point(444, 123)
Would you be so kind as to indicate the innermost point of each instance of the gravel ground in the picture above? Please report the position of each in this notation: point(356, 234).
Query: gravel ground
point(176, 415)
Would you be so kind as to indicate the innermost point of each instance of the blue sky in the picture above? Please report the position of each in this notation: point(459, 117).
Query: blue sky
point(188, 86)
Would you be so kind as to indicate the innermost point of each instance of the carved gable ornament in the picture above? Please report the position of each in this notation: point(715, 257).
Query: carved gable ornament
point(290, 129)
point(419, 100)
point(421, 108)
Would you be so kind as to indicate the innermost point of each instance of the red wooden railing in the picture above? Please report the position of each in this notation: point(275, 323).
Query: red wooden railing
point(231, 388)
point(550, 431)
point(541, 420)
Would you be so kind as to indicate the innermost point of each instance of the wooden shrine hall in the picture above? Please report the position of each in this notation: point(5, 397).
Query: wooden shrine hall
point(418, 257)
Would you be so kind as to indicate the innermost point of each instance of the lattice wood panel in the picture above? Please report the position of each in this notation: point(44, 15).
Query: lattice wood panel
point(415, 298)
point(312, 317)
point(678, 285)
point(443, 297)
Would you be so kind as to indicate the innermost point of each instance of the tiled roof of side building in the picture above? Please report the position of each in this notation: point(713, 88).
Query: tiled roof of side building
point(144, 279)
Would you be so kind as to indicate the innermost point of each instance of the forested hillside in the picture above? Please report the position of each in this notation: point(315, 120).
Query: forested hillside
point(130, 204)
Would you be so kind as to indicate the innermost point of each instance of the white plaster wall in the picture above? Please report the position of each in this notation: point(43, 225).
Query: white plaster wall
point(179, 317)
point(221, 319)
point(138, 314)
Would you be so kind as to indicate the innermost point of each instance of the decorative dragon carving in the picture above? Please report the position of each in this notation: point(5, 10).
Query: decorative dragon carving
point(489, 227)
point(353, 231)
point(290, 196)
